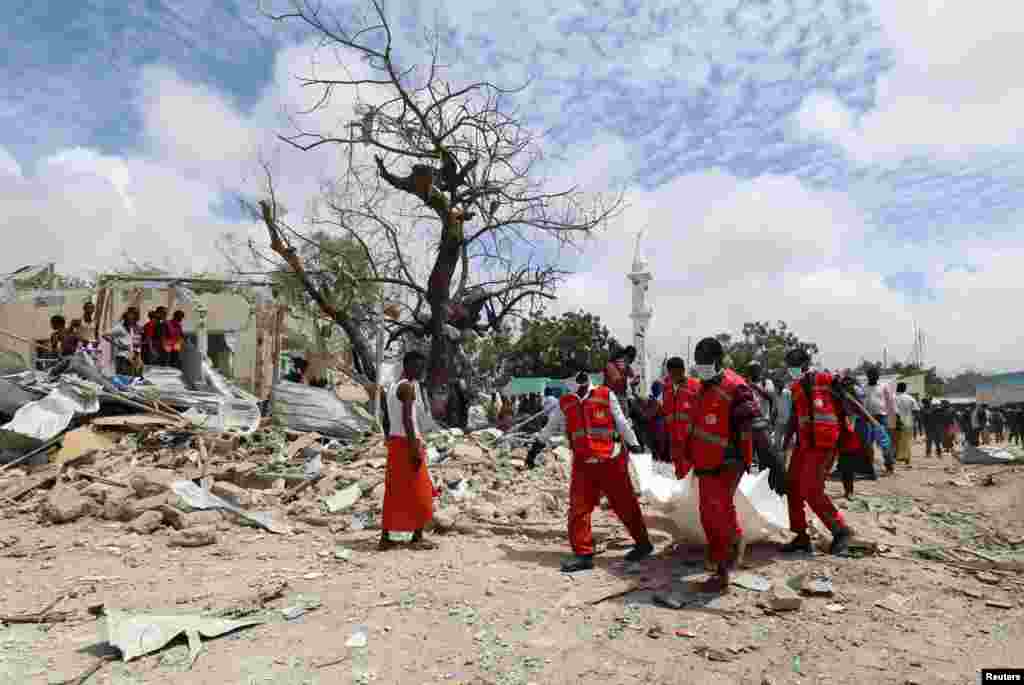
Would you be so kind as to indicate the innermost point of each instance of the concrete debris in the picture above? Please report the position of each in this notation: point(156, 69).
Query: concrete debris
point(146, 522)
point(64, 505)
point(232, 493)
point(894, 602)
point(784, 598)
point(193, 537)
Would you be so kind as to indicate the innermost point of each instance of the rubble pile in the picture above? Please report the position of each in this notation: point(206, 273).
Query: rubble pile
point(179, 470)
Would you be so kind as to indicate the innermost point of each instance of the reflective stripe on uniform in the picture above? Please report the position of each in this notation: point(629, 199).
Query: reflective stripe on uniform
point(709, 437)
point(721, 392)
point(820, 418)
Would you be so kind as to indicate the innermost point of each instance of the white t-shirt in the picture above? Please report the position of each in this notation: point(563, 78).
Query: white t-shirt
point(906, 405)
point(876, 400)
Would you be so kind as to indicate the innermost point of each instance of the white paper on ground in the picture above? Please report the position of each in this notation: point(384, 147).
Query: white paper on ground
point(761, 511)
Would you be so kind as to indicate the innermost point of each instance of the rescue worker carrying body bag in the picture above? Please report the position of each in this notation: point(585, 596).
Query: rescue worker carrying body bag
point(590, 417)
point(726, 425)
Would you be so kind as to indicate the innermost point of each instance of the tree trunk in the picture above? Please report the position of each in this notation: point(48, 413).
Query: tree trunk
point(439, 297)
point(362, 356)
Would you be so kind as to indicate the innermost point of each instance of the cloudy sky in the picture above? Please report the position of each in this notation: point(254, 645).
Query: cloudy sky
point(849, 166)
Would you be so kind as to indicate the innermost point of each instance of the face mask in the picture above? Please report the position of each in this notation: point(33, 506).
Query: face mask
point(704, 371)
point(795, 372)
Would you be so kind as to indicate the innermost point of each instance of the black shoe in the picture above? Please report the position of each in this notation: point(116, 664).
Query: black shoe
point(640, 552)
point(801, 543)
point(840, 542)
point(580, 562)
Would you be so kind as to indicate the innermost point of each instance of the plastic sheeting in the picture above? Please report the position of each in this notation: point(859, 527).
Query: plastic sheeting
point(13, 398)
point(45, 418)
point(991, 455)
point(761, 511)
point(305, 408)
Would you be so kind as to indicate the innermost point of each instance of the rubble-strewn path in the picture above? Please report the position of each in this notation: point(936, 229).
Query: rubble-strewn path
point(932, 606)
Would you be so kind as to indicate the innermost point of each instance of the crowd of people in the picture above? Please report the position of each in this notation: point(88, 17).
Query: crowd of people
point(802, 428)
point(159, 342)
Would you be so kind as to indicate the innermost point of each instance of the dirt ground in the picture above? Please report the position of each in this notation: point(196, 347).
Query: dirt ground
point(490, 605)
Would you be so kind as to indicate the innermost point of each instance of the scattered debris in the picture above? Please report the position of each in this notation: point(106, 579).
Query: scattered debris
point(64, 505)
point(819, 586)
point(752, 581)
point(894, 602)
point(147, 522)
point(835, 608)
point(343, 499)
point(137, 634)
point(998, 605)
point(199, 536)
point(784, 598)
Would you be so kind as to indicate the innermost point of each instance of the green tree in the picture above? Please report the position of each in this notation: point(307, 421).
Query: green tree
point(557, 346)
point(763, 341)
point(934, 385)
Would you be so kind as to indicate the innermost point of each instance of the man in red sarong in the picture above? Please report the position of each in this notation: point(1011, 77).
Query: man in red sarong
point(408, 490)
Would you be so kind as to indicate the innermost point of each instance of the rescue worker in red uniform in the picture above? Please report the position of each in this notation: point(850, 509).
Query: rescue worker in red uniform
point(817, 420)
point(590, 418)
point(726, 425)
point(677, 397)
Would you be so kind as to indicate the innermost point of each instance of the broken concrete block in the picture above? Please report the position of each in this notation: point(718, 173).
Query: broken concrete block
point(147, 484)
point(193, 537)
point(98, 492)
point(173, 516)
point(64, 505)
point(149, 503)
point(146, 522)
point(225, 444)
point(444, 520)
point(784, 598)
point(231, 493)
point(467, 452)
point(894, 603)
point(486, 512)
point(200, 519)
point(117, 507)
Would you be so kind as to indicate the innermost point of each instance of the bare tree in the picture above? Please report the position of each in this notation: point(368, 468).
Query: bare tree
point(467, 165)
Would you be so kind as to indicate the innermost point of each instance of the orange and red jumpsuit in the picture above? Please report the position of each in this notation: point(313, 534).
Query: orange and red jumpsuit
point(590, 423)
point(675, 406)
point(720, 449)
point(816, 422)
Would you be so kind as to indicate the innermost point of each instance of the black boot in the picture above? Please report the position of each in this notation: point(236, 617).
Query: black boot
point(580, 562)
point(640, 551)
point(840, 542)
point(801, 543)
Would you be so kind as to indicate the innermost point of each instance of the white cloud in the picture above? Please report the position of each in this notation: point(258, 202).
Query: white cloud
point(951, 88)
point(725, 251)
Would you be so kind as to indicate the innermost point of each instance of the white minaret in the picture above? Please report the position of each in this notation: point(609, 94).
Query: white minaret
point(640, 277)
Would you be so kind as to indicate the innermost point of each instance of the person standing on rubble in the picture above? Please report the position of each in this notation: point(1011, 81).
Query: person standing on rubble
point(408, 490)
point(726, 426)
point(590, 418)
point(124, 338)
point(817, 420)
point(173, 340)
